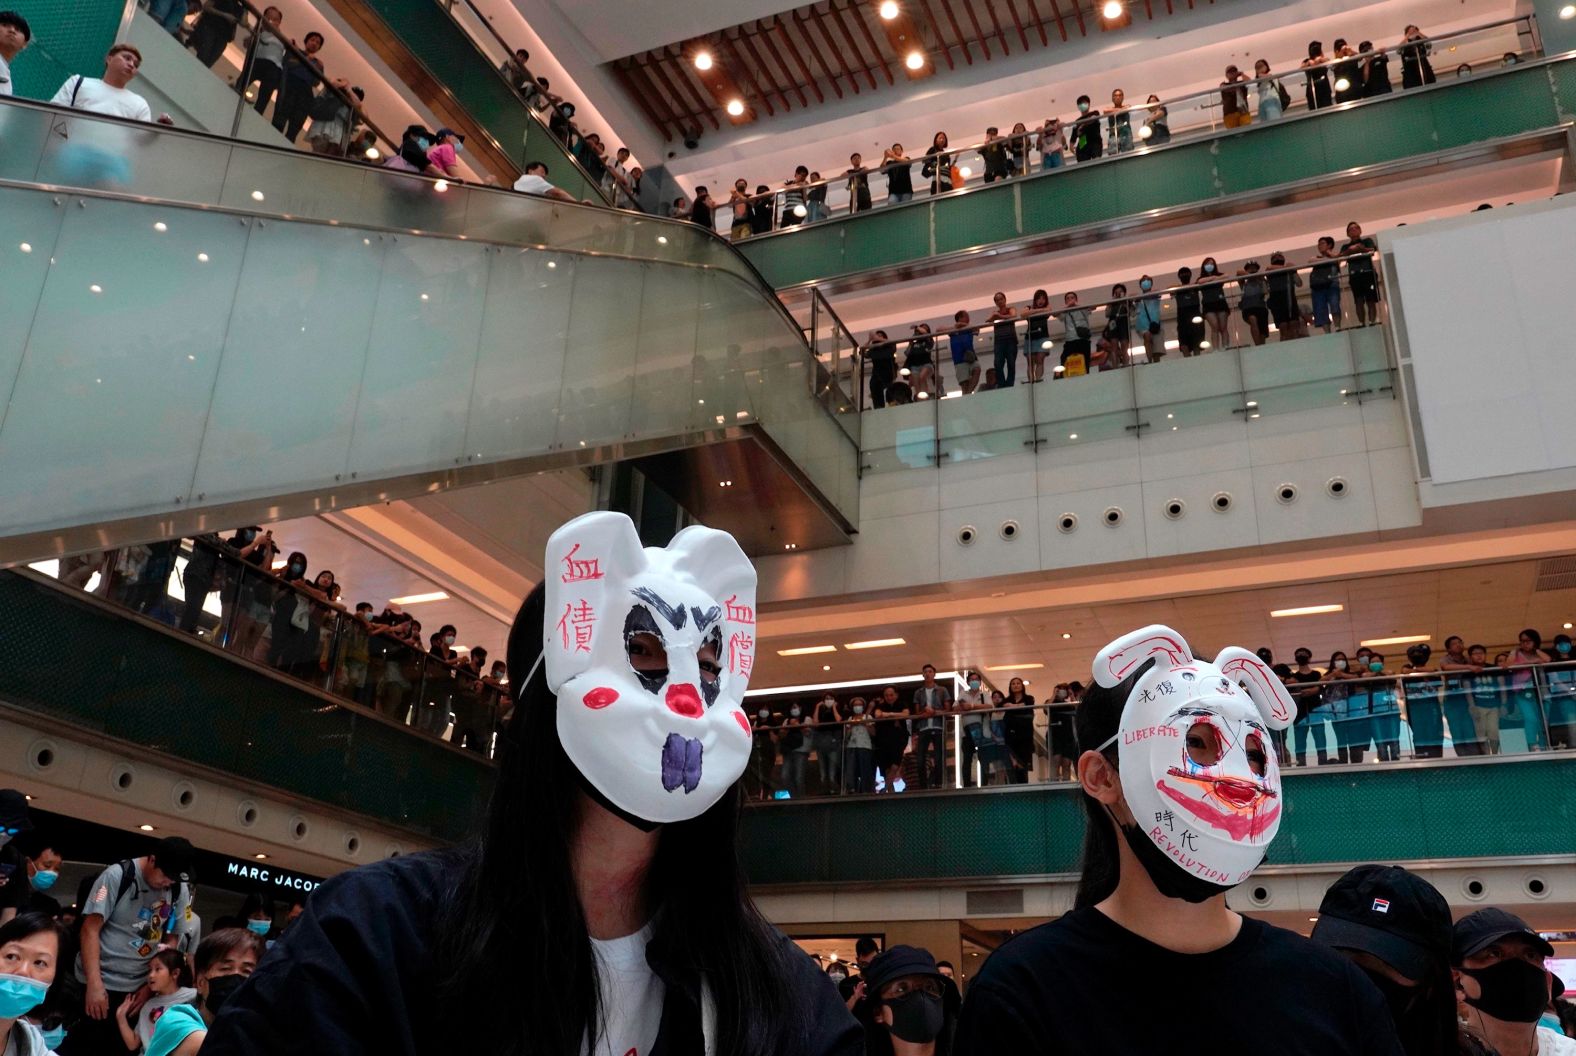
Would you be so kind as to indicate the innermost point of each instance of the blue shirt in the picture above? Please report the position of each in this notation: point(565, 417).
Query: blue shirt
point(962, 347)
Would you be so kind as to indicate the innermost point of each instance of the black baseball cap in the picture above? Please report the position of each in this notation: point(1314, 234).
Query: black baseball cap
point(897, 962)
point(1391, 913)
point(13, 811)
point(1476, 930)
point(174, 856)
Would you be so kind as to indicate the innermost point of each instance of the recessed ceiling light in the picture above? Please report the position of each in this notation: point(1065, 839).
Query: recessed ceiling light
point(915, 60)
point(790, 546)
point(875, 643)
point(260, 856)
point(826, 667)
point(1567, 626)
point(888, 9)
point(417, 599)
point(145, 828)
point(1568, 12)
point(96, 288)
point(1065, 635)
point(735, 107)
point(1405, 639)
point(202, 258)
point(806, 650)
point(703, 60)
point(1015, 667)
point(1112, 10)
point(1072, 436)
point(1307, 610)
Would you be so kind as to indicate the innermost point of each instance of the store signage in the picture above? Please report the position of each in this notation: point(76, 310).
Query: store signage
point(270, 876)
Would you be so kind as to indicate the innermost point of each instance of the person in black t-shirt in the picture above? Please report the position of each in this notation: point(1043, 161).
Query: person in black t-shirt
point(1309, 716)
point(1175, 816)
point(882, 356)
point(1360, 273)
point(891, 735)
point(702, 211)
point(858, 184)
point(899, 169)
point(1085, 132)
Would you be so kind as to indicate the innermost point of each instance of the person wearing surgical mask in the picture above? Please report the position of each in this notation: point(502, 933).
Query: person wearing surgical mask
point(827, 736)
point(1182, 796)
point(904, 988)
point(223, 961)
point(859, 757)
point(1338, 702)
point(1085, 132)
point(1561, 700)
point(1504, 985)
point(795, 744)
point(30, 946)
point(973, 704)
point(1147, 319)
point(257, 913)
point(444, 154)
point(43, 871)
point(601, 906)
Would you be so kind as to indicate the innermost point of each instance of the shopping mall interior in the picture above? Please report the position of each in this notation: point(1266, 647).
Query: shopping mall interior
point(293, 394)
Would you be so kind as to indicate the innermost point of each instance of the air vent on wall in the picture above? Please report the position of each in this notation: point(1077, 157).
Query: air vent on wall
point(1556, 573)
point(995, 902)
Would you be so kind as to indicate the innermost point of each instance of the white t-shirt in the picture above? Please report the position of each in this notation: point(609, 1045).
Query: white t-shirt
point(629, 995)
point(5, 76)
point(97, 97)
point(1552, 1044)
point(531, 183)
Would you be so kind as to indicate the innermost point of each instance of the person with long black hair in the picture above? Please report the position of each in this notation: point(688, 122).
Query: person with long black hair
point(1396, 927)
point(602, 909)
point(1182, 795)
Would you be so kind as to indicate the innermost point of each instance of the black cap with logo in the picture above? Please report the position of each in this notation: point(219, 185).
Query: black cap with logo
point(1393, 914)
point(174, 856)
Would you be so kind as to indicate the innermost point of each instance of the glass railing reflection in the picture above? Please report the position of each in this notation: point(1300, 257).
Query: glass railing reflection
point(293, 627)
point(1387, 718)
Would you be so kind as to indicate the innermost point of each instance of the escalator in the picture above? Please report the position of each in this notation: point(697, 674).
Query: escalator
point(205, 332)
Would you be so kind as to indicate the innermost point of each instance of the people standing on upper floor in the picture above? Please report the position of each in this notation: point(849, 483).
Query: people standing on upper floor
point(1375, 70)
point(1158, 861)
point(1158, 121)
point(931, 704)
point(1311, 712)
point(1348, 73)
point(994, 154)
point(739, 202)
point(761, 208)
point(1085, 133)
point(1384, 707)
point(1189, 302)
point(1018, 729)
point(1273, 98)
point(1361, 275)
point(1051, 142)
point(859, 764)
point(920, 361)
point(1076, 335)
point(215, 28)
point(815, 199)
point(937, 167)
point(1524, 686)
point(1004, 341)
point(701, 212)
point(1253, 303)
point(760, 774)
point(302, 73)
point(881, 354)
point(109, 95)
point(794, 210)
point(973, 706)
point(826, 734)
point(1560, 704)
point(591, 153)
point(444, 154)
point(1234, 99)
point(1038, 313)
point(1337, 698)
point(1458, 697)
point(1119, 124)
point(1416, 70)
point(965, 361)
point(1284, 304)
point(1486, 692)
point(15, 35)
point(1318, 87)
point(1060, 740)
point(1423, 690)
point(891, 736)
point(1018, 149)
point(794, 742)
point(899, 170)
point(1217, 310)
point(514, 71)
point(1117, 335)
point(1324, 285)
point(858, 184)
point(1504, 984)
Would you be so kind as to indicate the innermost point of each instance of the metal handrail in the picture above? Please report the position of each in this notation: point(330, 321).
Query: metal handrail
point(1135, 109)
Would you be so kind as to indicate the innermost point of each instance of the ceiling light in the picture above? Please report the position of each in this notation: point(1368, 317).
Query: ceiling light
point(875, 643)
point(1567, 626)
point(1405, 639)
point(417, 599)
point(790, 546)
point(260, 856)
point(826, 667)
point(1568, 12)
point(96, 288)
point(662, 240)
point(145, 828)
point(915, 60)
point(703, 60)
point(1307, 610)
point(735, 107)
point(1065, 635)
point(25, 247)
point(724, 483)
point(1015, 667)
point(807, 650)
point(202, 258)
point(888, 9)
point(1111, 10)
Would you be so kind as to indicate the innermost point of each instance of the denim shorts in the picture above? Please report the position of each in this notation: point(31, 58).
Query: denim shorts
point(1050, 161)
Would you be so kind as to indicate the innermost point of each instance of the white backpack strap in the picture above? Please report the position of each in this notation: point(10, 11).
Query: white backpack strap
point(708, 1017)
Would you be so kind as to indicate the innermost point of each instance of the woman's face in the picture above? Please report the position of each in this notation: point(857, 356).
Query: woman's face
point(1261, 68)
point(1015, 686)
point(32, 957)
point(325, 580)
point(1019, 127)
point(940, 140)
point(1042, 299)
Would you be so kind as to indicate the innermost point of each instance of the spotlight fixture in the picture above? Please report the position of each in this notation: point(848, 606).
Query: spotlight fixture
point(1568, 12)
point(735, 107)
point(703, 60)
point(915, 60)
point(1111, 10)
point(888, 9)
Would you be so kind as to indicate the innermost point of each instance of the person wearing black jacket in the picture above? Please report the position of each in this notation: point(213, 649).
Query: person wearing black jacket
point(602, 908)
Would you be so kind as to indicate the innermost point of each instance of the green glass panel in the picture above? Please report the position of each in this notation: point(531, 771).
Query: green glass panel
point(872, 238)
point(976, 219)
point(817, 251)
point(1176, 176)
point(68, 38)
point(1478, 108)
point(1067, 197)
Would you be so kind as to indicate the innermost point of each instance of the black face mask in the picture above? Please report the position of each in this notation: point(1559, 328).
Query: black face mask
point(1169, 878)
point(220, 989)
point(1402, 999)
point(916, 1017)
point(1513, 990)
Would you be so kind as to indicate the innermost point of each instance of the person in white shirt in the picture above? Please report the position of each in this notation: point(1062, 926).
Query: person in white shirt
point(15, 34)
point(535, 182)
point(110, 96)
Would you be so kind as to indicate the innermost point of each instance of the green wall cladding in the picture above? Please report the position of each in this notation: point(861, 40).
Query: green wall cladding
point(68, 38)
point(1410, 124)
point(1515, 807)
point(110, 674)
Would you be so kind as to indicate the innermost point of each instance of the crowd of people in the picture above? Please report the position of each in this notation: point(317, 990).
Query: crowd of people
point(1267, 300)
point(887, 740)
point(1341, 74)
point(126, 968)
point(275, 611)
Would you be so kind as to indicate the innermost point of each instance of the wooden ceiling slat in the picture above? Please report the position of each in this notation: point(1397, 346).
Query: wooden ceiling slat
point(957, 31)
point(642, 100)
point(1039, 23)
point(804, 22)
point(1019, 23)
point(837, 17)
point(678, 112)
point(870, 38)
point(820, 21)
point(763, 34)
point(804, 70)
point(1061, 27)
point(995, 23)
point(1083, 30)
point(980, 35)
point(946, 49)
point(695, 99)
point(738, 63)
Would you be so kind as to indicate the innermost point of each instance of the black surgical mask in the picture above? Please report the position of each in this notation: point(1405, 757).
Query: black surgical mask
point(1515, 991)
point(1401, 998)
point(1169, 878)
point(916, 1017)
point(220, 989)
